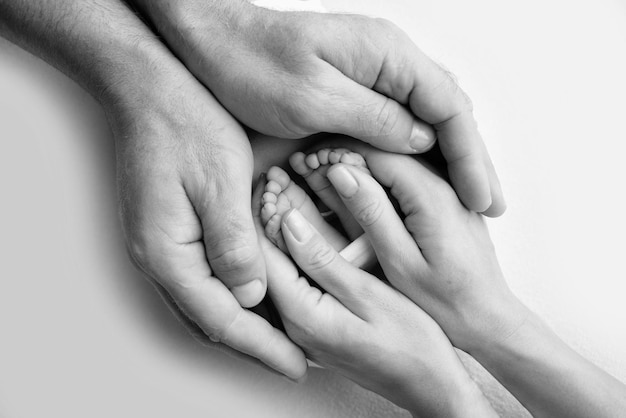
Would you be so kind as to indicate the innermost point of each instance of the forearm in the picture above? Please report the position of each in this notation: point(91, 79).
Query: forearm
point(548, 377)
point(204, 33)
point(100, 44)
point(211, 19)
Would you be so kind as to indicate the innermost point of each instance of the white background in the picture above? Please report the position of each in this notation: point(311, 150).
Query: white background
point(83, 334)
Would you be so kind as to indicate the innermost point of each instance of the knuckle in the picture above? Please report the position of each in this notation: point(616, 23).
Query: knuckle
point(223, 333)
point(320, 256)
point(306, 333)
point(386, 119)
point(230, 258)
point(301, 113)
point(387, 26)
point(450, 86)
point(370, 213)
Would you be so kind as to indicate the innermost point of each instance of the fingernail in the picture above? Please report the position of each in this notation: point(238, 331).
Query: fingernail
point(343, 181)
point(249, 294)
point(298, 226)
point(422, 137)
point(302, 379)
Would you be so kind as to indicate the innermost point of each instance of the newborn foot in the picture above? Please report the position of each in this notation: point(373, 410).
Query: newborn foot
point(313, 167)
point(282, 194)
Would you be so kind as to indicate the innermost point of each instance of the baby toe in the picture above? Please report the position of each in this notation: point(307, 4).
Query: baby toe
point(322, 156)
point(312, 161)
point(269, 198)
point(280, 176)
point(267, 211)
point(272, 186)
point(298, 163)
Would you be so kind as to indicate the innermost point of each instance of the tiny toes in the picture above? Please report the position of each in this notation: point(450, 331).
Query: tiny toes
point(279, 176)
point(298, 163)
point(273, 187)
point(273, 232)
point(322, 156)
point(267, 211)
point(314, 167)
point(312, 161)
point(269, 197)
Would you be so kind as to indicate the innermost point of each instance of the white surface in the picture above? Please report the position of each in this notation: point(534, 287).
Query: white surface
point(85, 335)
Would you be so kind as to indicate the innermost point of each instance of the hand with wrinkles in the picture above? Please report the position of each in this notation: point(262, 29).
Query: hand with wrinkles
point(184, 167)
point(293, 74)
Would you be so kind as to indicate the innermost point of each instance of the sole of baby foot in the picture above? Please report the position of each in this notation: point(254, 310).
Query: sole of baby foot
point(282, 194)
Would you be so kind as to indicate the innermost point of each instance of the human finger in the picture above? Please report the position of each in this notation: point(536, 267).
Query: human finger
point(222, 202)
point(207, 301)
point(360, 112)
point(321, 262)
point(395, 247)
point(408, 76)
point(498, 205)
point(183, 270)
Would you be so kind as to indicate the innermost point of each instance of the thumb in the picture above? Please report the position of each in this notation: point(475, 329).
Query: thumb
point(230, 239)
point(372, 117)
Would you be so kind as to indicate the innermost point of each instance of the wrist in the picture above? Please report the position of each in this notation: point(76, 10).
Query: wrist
point(489, 322)
point(461, 399)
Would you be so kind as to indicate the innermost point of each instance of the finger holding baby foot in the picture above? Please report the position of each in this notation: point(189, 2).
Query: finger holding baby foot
point(314, 168)
point(282, 194)
point(395, 248)
point(360, 325)
point(439, 255)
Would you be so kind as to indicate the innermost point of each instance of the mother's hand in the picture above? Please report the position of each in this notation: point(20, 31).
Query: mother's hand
point(440, 255)
point(365, 329)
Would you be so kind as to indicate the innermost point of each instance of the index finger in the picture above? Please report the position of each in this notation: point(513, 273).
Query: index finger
point(410, 77)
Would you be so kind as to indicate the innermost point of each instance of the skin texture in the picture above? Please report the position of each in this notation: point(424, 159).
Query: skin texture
point(441, 257)
point(363, 328)
point(184, 163)
point(291, 74)
point(184, 167)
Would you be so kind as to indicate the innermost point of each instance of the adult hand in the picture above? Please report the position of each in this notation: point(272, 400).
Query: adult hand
point(184, 167)
point(440, 254)
point(185, 177)
point(293, 74)
point(364, 329)
point(441, 257)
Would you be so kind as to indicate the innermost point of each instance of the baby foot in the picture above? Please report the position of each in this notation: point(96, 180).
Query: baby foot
point(282, 194)
point(313, 167)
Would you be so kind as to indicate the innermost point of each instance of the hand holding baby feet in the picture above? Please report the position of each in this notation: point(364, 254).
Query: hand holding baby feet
point(282, 194)
point(439, 255)
point(364, 329)
point(314, 167)
point(285, 74)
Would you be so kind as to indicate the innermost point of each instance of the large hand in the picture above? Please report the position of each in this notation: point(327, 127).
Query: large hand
point(365, 329)
point(295, 74)
point(184, 166)
point(185, 181)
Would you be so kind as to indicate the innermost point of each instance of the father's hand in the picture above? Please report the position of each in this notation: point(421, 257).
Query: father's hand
point(185, 181)
point(295, 74)
point(185, 166)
